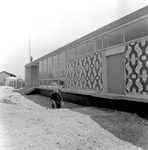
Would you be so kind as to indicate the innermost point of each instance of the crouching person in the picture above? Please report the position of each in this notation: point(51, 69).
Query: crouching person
point(56, 99)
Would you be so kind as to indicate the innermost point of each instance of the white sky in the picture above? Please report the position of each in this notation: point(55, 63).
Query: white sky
point(51, 24)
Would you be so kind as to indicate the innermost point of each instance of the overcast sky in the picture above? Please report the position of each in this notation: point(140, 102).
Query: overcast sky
point(51, 24)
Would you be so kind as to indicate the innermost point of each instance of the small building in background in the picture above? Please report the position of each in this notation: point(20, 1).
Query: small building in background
point(4, 75)
point(10, 79)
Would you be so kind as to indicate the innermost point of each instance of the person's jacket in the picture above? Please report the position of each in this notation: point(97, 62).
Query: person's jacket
point(56, 96)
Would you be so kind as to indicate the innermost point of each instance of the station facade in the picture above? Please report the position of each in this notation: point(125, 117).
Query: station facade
point(112, 60)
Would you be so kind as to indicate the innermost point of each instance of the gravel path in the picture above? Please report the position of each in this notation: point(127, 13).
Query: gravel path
point(26, 125)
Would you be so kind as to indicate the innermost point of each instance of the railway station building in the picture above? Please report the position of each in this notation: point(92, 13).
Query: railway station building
point(111, 62)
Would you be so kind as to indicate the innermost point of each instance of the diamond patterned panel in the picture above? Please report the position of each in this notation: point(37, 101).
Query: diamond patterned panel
point(136, 67)
point(85, 72)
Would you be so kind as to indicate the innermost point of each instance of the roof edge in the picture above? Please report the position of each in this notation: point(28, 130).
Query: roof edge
point(114, 24)
point(8, 73)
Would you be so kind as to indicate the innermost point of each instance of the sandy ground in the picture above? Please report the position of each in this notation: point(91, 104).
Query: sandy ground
point(27, 124)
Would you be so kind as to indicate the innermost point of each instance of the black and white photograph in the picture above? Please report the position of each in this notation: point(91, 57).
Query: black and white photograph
point(74, 75)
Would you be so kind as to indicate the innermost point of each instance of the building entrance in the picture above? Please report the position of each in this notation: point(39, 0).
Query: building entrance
point(116, 77)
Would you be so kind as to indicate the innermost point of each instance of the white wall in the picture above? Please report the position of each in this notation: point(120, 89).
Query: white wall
point(34, 76)
point(27, 75)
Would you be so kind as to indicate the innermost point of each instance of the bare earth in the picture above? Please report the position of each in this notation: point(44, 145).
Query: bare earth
point(27, 124)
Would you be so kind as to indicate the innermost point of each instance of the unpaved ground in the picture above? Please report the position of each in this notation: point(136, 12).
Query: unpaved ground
point(26, 124)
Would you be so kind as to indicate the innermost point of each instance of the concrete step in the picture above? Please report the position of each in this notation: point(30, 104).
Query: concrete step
point(27, 89)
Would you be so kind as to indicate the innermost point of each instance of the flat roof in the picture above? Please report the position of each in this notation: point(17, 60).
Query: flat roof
point(141, 12)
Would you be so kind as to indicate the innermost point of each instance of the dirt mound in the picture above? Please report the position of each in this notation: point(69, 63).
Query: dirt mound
point(25, 123)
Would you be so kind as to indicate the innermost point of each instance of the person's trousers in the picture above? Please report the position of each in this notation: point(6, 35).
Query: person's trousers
point(56, 104)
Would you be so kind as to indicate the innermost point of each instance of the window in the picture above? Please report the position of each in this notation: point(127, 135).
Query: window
point(55, 83)
point(136, 30)
point(62, 65)
point(90, 46)
point(50, 67)
point(45, 82)
point(113, 38)
point(45, 69)
point(40, 69)
point(49, 83)
point(80, 50)
point(71, 53)
point(40, 82)
point(98, 43)
point(55, 67)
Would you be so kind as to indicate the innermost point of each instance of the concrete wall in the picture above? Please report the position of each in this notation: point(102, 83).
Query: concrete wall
point(136, 66)
point(85, 73)
point(34, 76)
point(31, 76)
point(28, 76)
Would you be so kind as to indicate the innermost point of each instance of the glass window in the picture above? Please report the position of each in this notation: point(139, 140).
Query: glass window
point(90, 46)
point(98, 43)
point(71, 53)
point(62, 65)
point(113, 38)
point(40, 69)
point(40, 82)
point(45, 69)
point(136, 30)
point(49, 83)
point(80, 50)
point(50, 67)
point(55, 83)
point(45, 82)
point(55, 67)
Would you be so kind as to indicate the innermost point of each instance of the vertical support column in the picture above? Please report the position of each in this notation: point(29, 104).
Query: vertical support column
point(105, 71)
point(34, 75)
point(38, 74)
point(28, 76)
